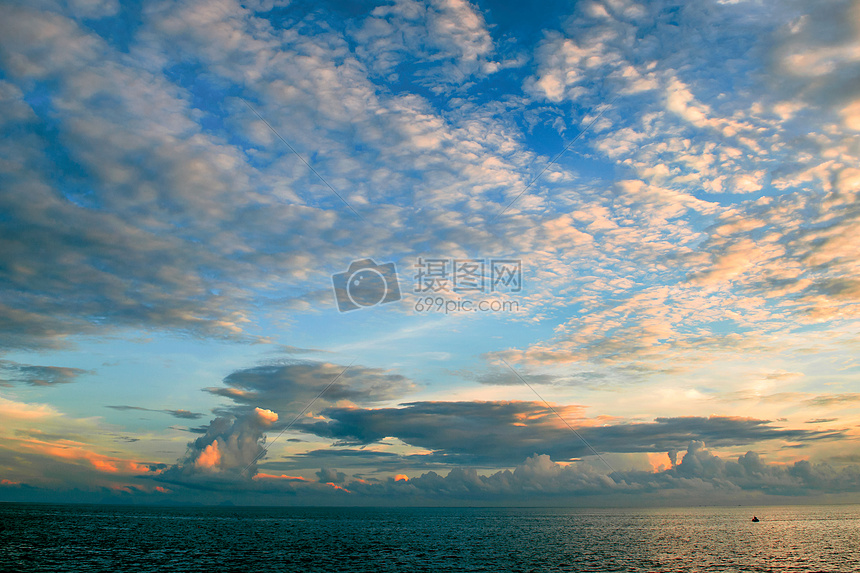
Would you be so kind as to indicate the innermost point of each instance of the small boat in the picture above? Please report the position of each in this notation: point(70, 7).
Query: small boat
point(755, 519)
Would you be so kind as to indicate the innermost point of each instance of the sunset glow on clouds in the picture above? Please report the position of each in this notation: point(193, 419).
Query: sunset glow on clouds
point(180, 180)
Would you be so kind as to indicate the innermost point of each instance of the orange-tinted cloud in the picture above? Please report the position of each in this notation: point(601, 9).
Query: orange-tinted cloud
point(210, 457)
point(282, 476)
point(79, 452)
point(335, 486)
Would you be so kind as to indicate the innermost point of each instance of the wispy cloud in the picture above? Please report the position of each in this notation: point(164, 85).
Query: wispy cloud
point(16, 373)
point(183, 414)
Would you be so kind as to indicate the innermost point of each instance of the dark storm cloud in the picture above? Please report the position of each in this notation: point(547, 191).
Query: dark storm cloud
point(507, 432)
point(17, 373)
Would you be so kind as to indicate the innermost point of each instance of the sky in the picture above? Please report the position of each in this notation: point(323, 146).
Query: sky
point(431, 252)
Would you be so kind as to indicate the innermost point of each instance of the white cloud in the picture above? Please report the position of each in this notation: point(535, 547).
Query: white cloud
point(450, 36)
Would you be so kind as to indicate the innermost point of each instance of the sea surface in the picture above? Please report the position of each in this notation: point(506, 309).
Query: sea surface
point(36, 537)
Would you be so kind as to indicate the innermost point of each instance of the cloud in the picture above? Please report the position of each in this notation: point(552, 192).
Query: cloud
point(182, 414)
point(831, 400)
point(43, 447)
point(94, 8)
point(291, 350)
point(289, 387)
point(699, 476)
point(447, 41)
point(503, 376)
point(230, 446)
point(137, 233)
point(502, 433)
point(777, 262)
point(17, 373)
point(327, 475)
point(146, 234)
point(817, 56)
point(709, 216)
point(26, 412)
point(265, 398)
point(95, 236)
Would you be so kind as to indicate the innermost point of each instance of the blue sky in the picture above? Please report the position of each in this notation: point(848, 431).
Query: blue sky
point(677, 183)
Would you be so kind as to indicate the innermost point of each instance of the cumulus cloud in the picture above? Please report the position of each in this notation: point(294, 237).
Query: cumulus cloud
point(768, 264)
point(145, 186)
point(231, 445)
point(267, 398)
point(328, 475)
point(97, 235)
point(698, 476)
point(137, 233)
point(449, 37)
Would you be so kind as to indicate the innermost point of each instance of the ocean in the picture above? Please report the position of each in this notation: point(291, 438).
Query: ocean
point(55, 538)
